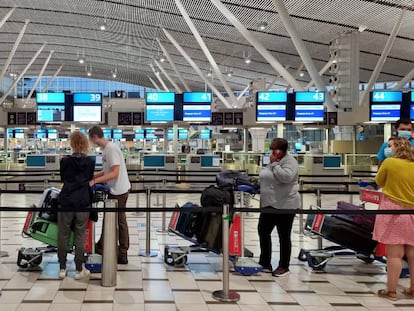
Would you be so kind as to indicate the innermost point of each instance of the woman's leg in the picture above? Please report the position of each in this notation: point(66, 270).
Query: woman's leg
point(395, 254)
point(64, 222)
point(265, 228)
point(409, 252)
point(79, 229)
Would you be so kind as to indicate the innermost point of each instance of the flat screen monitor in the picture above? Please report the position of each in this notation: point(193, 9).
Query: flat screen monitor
point(41, 134)
point(298, 146)
point(210, 161)
point(384, 112)
point(196, 113)
point(331, 161)
point(310, 97)
point(196, 97)
point(10, 133)
point(107, 133)
point(139, 134)
point(386, 97)
point(266, 160)
point(150, 134)
point(309, 113)
point(98, 160)
point(87, 107)
point(19, 133)
point(50, 107)
point(117, 134)
point(205, 134)
point(35, 161)
point(154, 161)
point(159, 106)
point(271, 106)
point(52, 134)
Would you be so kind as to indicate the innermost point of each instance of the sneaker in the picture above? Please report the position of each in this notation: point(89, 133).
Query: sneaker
point(62, 273)
point(122, 259)
point(279, 272)
point(267, 269)
point(82, 274)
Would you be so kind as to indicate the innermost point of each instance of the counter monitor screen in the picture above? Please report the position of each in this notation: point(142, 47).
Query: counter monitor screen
point(35, 161)
point(19, 133)
point(385, 106)
point(331, 161)
point(50, 107)
point(154, 161)
point(205, 134)
point(117, 134)
point(197, 106)
point(52, 134)
point(139, 134)
point(271, 106)
point(41, 134)
point(87, 107)
point(107, 133)
point(210, 161)
point(159, 106)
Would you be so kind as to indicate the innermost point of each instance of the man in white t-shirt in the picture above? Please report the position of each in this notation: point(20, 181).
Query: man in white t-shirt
point(115, 175)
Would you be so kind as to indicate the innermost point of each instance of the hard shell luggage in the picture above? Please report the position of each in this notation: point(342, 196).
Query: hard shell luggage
point(210, 234)
point(365, 221)
point(189, 222)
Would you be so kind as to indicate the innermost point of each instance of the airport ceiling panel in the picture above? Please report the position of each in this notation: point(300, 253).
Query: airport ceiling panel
point(128, 44)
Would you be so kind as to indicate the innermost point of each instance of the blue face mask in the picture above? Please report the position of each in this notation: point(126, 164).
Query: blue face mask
point(388, 152)
point(404, 134)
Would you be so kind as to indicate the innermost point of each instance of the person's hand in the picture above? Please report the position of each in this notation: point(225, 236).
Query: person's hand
point(91, 182)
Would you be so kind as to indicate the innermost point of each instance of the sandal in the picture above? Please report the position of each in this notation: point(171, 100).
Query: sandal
point(385, 293)
point(408, 292)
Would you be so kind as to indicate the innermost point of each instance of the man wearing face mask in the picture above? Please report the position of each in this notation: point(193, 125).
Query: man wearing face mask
point(403, 128)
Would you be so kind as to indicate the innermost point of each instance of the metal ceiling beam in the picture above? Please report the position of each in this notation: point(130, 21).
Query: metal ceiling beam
point(22, 73)
point(14, 49)
point(52, 78)
point(206, 52)
point(383, 57)
point(6, 17)
point(271, 84)
point(243, 92)
point(172, 63)
point(39, 76)
point(196, 68)
point(296, 74)
point(158, 75)
point(154, 84)
point(175, 85)
point(321, 72)
point(404, 80)
point(256, 44)
point(303, 51)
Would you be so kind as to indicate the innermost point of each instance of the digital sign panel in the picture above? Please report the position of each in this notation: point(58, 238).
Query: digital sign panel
point(50, 107)
point(310, 97)
point(271, 106)
point(87, 107)
point(159, 106)
point(386, 97)
point(196, 97)
point(385, 106)
point(309, 113)
point(197, 106)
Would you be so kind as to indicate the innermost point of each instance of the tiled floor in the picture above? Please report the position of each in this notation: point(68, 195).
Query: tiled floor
point(146, 283)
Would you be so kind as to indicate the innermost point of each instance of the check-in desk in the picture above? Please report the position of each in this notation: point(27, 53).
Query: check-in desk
point(159, 167)
point(202, 167)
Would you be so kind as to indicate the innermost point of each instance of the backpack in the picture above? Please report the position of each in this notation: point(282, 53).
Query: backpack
point(213, 196)
point(233, 179)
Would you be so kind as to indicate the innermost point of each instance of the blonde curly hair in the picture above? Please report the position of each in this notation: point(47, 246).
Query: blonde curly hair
point(402, 148)
point(79, 142)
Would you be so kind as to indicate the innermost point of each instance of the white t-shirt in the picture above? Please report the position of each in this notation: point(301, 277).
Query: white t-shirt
point(112, 155)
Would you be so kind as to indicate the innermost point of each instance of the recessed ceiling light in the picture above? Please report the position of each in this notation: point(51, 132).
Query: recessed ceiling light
point(262, 25)
point(102, 26)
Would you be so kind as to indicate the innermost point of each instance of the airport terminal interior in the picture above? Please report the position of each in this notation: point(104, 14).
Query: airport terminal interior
point(188, 89)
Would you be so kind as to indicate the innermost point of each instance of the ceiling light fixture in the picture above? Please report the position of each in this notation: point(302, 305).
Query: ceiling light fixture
point(162, 58)
point(89, 71)
point(262, 25)
point(247, 57)
point(102, 26)
point(81, 58)
point(114, 73)
point(301, 74)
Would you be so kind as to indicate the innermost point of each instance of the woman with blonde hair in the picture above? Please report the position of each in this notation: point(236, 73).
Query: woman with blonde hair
point(76, 171)
point(396, 231)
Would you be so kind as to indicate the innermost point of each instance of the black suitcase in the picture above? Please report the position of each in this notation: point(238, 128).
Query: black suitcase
point(189, 222)
point(210, 234)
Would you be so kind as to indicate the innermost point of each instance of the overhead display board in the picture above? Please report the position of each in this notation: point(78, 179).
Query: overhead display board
point(412, 105)
point(159, 106)
point(50, 107)
point(197, 106)
point(271, 106)
point(309, 106)
point(87, 107)
point(385, 106)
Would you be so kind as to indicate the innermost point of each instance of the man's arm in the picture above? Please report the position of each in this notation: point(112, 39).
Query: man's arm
point(101, 177)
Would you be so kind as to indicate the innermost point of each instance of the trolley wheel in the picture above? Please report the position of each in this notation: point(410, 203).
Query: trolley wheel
point(20, 259)
point(168, 257)
point(179, 262)
point(302, 255)
point(317, 260)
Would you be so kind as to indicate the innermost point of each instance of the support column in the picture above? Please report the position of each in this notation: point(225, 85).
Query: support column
point(302, 50)
point(258, 139)
point(381, 61)
point(40, 75)
point(6, 17)
point(22, 73)
point(53, 78)
point(197, 69)
point(206, 52)
point(257, 44)
point(176, 87)
point(172, 63)
point(14, 49)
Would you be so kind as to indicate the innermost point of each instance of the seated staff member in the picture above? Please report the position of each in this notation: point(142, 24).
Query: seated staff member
point(403, 128)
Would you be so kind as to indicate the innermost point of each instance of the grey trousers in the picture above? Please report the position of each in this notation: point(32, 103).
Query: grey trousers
point(68, 221)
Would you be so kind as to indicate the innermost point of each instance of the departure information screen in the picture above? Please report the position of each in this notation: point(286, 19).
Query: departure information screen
point(50, 107)
point(385, 106)
point(309, 106)
point(197, 106)
point(271, 106)
point(159, 106)
point(87, 107)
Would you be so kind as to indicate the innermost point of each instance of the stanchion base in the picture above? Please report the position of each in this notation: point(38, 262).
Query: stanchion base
point(162, 231)
point(4, 254)
point(144, 253)
point(221, 296)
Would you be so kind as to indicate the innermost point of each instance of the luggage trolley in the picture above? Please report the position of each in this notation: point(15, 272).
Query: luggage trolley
point(42, 226)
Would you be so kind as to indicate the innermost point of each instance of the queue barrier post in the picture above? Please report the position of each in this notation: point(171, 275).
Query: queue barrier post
point(226, 295)
point(147, 251)
point(319, 204)
point(164, 204)
point(301, 226)
point(109, 257)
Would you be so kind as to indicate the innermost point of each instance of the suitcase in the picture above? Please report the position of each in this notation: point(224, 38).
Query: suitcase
point(46, 231)
point(210, 234)
point(365, 221)
point(189, 222)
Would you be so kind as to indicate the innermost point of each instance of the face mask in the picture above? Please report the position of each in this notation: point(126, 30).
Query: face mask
point(388, 152)
point(404, 134)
